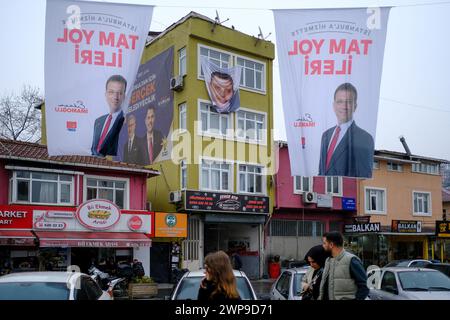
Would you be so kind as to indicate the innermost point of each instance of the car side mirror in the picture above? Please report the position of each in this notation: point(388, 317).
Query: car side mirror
point(391, 289)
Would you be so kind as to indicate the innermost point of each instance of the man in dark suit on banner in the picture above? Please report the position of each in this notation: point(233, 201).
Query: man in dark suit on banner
point(131, 151)
point(346, 149)
point(108, 126)
point(153, 138)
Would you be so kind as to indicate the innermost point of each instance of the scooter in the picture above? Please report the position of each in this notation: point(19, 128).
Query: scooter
point(115, 286)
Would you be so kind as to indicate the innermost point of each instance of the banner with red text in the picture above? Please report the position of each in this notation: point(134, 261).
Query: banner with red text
point(330, 69)
point(92, 54)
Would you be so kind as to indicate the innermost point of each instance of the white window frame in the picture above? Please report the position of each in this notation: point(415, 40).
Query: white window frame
point(339, 194)
point(263, 180)
point(375, 212)
point(230, 174)
point(263, 77)
point(180, 60)
point(12, 197)
point(199, 64)
point(300, 191)
point(376, 164)
point(428, 167)
point(182, 110)
point(430, 206)
point(126, 196)
point(208, 133)
point(262, 142)
point(400, 165)
point(183, 166)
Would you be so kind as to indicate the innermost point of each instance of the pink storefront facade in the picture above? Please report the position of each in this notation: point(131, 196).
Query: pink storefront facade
point(41, 198)
point(296, 225)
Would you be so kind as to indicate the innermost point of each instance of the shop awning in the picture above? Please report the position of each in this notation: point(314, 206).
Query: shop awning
point(93, 239)
point(16, 238)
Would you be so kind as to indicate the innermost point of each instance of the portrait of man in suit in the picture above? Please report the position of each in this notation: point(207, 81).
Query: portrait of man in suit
point(131, 151)
point(153, 138)
point(107, 127)
point(346, 149)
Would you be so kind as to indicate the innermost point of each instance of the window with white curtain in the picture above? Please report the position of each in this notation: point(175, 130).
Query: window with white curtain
point(216, 175)
point(334, 185)
point(302, 184)
point(108, 189)
point(251, 179)
point(251, 126)
point(218, 58)
point(252, 75)
point(183, 116)
point(41, 187)
point(422, 203)
point(182, 61)
point(375, 200)
point(212, 122)
point(183, 174)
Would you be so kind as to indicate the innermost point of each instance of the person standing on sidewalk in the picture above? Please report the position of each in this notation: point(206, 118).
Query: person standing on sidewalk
point(344, 277)
point(315, 257)
point(219, 283)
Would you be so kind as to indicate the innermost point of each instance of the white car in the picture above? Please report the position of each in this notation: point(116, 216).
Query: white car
point(51, 285)
point(410, 284)
point(187, 287)
point(288, 286)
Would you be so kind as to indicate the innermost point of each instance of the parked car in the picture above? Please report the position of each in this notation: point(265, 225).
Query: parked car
point(288, 286)
point(187, 287)
point(408, 263)
point(411, 284)
point(442, 267)
point(51, 285)
point(291, 264)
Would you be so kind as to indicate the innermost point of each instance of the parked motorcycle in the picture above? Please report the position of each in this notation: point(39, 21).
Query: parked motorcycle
point(115, 286)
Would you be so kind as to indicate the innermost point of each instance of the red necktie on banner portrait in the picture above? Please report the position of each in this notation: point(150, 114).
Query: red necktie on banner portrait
point(332, 146)
point(150, 151)
point(104, 133)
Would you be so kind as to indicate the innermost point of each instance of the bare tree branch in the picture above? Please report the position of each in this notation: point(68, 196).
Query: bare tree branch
point(19, 119)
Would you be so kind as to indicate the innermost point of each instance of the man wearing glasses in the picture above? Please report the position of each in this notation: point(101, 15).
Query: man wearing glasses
point(346, 149)
point(107, 127)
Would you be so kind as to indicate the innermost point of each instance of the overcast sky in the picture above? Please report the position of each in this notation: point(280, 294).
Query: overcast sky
point(415, 86)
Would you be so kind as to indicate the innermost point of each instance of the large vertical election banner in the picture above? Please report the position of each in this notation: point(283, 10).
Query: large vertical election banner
point(92, 54)
point(148, 124)
point(330, 70)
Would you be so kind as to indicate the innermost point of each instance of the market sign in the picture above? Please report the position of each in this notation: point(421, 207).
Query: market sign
point(170, 225)
point(16, 217)
point(348, 204)
point(98, 214)
point(443, 229)
point(406, 226)
point(362, 227)
point(225, 202)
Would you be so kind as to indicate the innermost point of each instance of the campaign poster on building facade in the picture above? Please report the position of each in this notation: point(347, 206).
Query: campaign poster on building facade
point(330, 69)
point(145, 137)
point(92, 54)
point(222, 85)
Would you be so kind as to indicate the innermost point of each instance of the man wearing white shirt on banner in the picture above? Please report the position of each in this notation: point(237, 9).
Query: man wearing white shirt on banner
point(346, 149)
point(153, 138)
point(108, 126)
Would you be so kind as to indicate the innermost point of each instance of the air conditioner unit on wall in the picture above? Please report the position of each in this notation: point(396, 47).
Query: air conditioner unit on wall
point(176, 83)
point(175, 196)
point(309, 197)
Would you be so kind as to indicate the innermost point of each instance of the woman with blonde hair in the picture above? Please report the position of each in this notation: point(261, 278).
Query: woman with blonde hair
point(219, 283)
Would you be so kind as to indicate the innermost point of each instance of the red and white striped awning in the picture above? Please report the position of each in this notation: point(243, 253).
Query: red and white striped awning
point(64, 239)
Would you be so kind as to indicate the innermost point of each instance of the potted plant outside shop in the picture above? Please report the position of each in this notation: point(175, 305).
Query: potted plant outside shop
point(142, 287)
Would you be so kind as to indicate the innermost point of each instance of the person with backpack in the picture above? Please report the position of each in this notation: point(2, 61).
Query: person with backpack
point(138, 269)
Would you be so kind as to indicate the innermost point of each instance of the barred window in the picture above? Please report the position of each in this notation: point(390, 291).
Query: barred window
point(295, 228)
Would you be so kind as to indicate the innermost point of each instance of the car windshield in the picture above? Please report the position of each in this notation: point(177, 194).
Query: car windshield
point(397, 263)
point(424, 280)
point(34, 291)
point(298, 283)
point(188, 289)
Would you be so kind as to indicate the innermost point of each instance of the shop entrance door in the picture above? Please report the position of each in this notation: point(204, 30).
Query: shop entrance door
point(84, 257)
point(160, 254)
point(409, 250)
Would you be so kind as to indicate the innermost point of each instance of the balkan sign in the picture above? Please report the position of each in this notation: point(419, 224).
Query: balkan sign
point(443, 229)
point(170, 225)
point(225, 202)
point(406, 226)
point(92, 55)
point(362, 227)
point(330, 67)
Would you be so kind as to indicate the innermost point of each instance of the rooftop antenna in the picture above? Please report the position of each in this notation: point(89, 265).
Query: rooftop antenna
point(217, 21)
point(261, 36)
